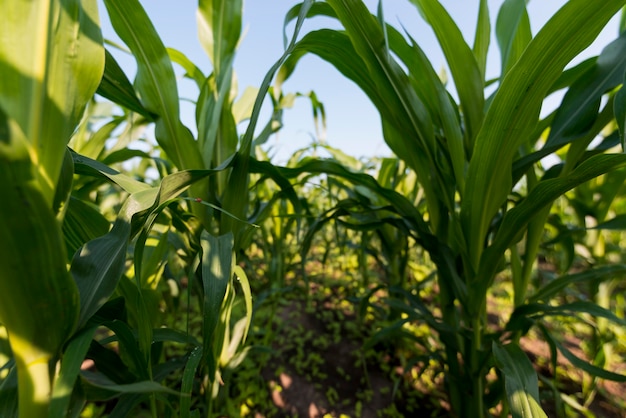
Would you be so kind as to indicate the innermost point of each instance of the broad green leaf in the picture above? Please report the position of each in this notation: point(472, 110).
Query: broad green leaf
point(619, 108)
point(192, 70)
point(236, 199)
point(579, 363)
point(116, 87)
point(82, 223)
point(541, 196)
point(247, 297)
point(8, 394)
point(38, 298)
point(443, 111)
point(45, 91)
point(579, 108)
point(520, 380)
point(315, 9)
point(98, 266)
point(219, 28)
point(540, 310)
point(188, 379)
point(512, 32)
point(217, 272)
point(146, 386)
point(70, 368)
point(88, 166)
point(521, 166)
point(242, 108)
point(156, 81)
point(514, 112)
point(94, 146)
point(465, 70)
point(482, 37)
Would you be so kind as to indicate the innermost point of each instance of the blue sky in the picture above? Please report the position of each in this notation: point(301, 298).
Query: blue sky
point(352, 122)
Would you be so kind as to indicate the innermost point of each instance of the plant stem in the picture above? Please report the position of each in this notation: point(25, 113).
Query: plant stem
point(33, 380)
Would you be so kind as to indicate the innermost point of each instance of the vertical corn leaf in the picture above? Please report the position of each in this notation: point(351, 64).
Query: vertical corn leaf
point(619, 108)
point(520, 380)
point(45, 91)
point(217, 272)
point(219, 28)
point(482, 38)
point(155, 82)
point(70, 368)
point(43, 94)
point(236, 200)
point(512, 32)
point(514, 111)
point(463, 65)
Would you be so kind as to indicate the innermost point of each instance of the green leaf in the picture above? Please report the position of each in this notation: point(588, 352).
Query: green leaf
point(539, 310)
point(236, 200)
point(46, 90)
point(146, 386)
point(520, 381)
point(513, 33)
point(219, 28)
point(579, 363)
point(70, 368)
point(619, 108)
point(579, 108)
point(462, 61)
point(482, 37)
point(156, 81)
point(88, 166)
point(541, 196)
point(82, 223)
point(187, 381)
point(217, 272)
point(593, 275)
point(192, 71)
point(116, 87)
point(514, 112)
point(247, 297)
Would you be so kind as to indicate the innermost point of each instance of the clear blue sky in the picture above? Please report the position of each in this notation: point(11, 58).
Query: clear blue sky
point(352, 122)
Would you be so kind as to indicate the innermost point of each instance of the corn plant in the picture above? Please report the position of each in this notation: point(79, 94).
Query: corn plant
point(51, 312)
point(472, 156)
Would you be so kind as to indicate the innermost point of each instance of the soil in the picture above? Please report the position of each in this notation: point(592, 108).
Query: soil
point(356, 387)
point(343, 385)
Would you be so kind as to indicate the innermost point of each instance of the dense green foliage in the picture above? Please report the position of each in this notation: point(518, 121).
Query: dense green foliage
point(160, 282)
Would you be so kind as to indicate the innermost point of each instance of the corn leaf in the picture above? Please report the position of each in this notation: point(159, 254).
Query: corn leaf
point(579, 363)
point(155, 82)
point(219, 28)
point(189, 374)
point(236, 200)
point(541, 196)
point(46, 90)
point(482, 37)
point(579, 108)
point(514, 112)
point(217, 272)
point(520, 380)
point(70, 368)
point(512, 32)
point(463, 65)
point(116, 87)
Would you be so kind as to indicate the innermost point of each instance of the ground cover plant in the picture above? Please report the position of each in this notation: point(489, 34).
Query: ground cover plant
point(204, 280)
